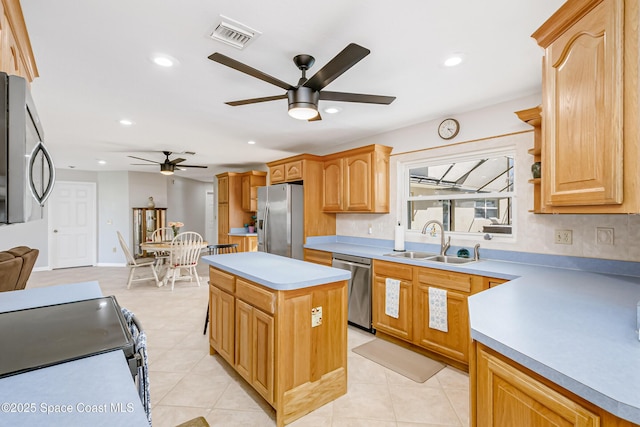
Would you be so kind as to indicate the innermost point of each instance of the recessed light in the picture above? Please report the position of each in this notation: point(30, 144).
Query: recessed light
point(332, 110)
point(126, 122)
point(164, 60)
point(452, 61)
point(102, 162)
point(251, 142)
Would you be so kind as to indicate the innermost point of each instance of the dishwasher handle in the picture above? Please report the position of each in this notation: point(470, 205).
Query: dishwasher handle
point(354, 264)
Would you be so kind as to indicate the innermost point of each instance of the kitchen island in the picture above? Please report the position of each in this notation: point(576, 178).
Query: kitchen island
point(281, 324)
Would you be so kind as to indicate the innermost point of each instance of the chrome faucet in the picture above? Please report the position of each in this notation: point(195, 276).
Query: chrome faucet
point(443, 246)
point(476, 252)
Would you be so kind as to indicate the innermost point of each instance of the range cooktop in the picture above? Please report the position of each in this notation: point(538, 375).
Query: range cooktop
point(43, 336)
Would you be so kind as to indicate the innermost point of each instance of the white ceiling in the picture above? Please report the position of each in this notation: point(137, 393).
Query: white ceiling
point(95, 69)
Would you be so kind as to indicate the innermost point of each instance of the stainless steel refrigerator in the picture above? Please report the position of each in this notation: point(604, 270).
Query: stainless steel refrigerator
point(280, 220)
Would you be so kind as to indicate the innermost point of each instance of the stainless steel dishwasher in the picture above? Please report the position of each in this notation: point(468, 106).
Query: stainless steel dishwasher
point(359, 288)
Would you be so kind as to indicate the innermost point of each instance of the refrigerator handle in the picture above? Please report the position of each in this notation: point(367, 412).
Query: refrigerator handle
point(266, 228)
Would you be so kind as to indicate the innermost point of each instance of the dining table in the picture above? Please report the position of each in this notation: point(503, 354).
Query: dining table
point(162, 268)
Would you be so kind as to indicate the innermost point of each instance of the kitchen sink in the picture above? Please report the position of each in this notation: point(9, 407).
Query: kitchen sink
point(411, 254)
point(446, 259)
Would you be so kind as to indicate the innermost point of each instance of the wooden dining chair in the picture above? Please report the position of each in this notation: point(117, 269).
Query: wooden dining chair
point(184, 255)
point(134, 263)
point(226, 248)
point(162, 234)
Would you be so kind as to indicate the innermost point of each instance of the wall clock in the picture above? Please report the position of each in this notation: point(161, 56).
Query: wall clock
point(449, 128)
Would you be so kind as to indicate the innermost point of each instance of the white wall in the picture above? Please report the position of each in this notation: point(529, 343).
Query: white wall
point(117, 194)
point(485, 129)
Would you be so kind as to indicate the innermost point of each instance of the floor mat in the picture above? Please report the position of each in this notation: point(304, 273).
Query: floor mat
point(412, 365)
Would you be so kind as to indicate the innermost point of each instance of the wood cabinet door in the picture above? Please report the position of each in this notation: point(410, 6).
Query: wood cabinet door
point(263, 366)
point(276, 174)
point(240, 241)
point(402, 326)
point(221, 316)
point(508, 397)
point(223, 189)
point(227, 322)
point(583, 98)
point(293, 171)
point(358, 185)
point(246, 193)
point(244, 339)
point(455, 342)
point(332, 185)
point(251, 244)
point(215, 330)
point(223, 223)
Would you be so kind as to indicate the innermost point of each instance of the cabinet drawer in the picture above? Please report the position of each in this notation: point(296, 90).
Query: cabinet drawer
point(393, 269)
point(293, 171)
point(318, 257)
point(222, 280)
point(258, 297)
point(445, 279)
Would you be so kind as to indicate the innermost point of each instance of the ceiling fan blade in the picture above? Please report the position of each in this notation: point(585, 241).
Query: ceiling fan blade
point(316, 118)
point(141, 164)
point(232, 63)
point(356, 97)
point(176, 161)
point(192, 166)
point(346, 59)
point(146, 160)
point(256, 100)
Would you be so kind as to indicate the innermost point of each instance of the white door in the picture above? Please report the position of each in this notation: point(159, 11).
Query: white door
point(72, 224)
point(211, 233)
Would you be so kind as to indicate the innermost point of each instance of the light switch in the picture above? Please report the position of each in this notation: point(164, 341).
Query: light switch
point(316, 316)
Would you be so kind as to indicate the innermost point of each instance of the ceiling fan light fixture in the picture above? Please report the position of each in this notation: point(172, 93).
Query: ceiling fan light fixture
point(167, 168)
point(303, 103)
point(302, 112)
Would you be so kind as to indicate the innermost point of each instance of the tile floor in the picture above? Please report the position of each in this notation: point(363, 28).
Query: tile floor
point(186, 382)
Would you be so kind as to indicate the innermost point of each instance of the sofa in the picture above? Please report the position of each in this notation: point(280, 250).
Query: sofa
point(15, 267)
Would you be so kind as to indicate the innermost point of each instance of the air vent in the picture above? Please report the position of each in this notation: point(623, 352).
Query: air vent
point(234, 33)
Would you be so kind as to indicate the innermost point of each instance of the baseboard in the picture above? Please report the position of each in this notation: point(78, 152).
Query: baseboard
point(45, 268)
point(110, 264)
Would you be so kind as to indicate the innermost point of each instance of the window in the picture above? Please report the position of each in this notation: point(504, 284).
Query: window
point(470, 194)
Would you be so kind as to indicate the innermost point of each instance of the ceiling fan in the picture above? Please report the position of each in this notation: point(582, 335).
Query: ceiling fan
point(168, 166)
point(303, 98)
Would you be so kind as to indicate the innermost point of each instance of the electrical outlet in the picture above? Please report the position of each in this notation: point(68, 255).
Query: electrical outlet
point(564, 237)
point(604, 236)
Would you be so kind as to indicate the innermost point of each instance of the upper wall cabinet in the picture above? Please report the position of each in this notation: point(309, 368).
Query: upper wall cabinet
point(590, 106)
point(250, 182)
point(16, 56)
point(357, 180)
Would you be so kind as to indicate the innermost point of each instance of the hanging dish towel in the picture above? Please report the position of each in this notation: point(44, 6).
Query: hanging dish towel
point(392, 297)
point(438, 309)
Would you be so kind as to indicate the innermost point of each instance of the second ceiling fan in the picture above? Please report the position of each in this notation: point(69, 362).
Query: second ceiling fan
point(168, 166)
point(303, 98)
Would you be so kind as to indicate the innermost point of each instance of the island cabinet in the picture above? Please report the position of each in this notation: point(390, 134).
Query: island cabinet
point(16, 55)
point(250, 182)
point(506, 394)
point(289, 345)
point(306, 168)
point(590, 140)
point(357, 180)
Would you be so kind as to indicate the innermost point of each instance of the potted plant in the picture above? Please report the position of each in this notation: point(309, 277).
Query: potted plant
point(252, 224)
